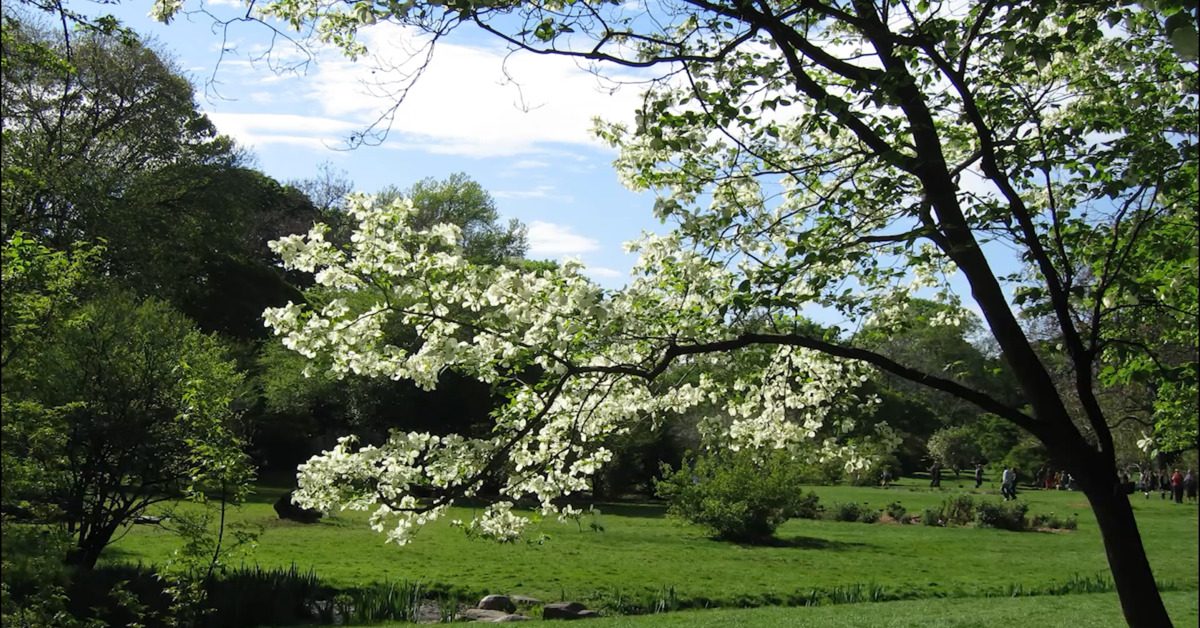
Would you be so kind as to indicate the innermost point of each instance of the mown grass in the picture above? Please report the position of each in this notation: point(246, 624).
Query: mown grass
point(640, 553)
point(1074, 611)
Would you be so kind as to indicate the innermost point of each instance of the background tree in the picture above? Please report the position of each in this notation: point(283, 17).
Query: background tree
point(85, 113)
point(41, 286)
point(923, 339)
point(113, 401)
point(458, 200)
point(125, 405)
point(954, 448)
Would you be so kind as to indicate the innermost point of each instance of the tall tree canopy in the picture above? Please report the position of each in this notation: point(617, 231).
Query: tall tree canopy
point(83, 117)
point(461, 201)
point(103, 141)
point(843, 153)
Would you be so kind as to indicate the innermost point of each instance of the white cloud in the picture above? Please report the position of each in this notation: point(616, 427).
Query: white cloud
point(260, 129)
point(464, 104)
point(546, 192)
point(261, 98)
point(547, 238)
point(602, 272)
point(529, 164)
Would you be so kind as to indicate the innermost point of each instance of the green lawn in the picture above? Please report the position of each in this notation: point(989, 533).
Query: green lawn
point(1043, 612)
point(640, 553)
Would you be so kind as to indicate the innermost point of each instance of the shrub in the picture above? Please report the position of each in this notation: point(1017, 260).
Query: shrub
point(958, 510)
point(739, 496)
point(808, 507)
point(1006, 516)
point(932, 517)
point(1053, 522)
point(848, 511)
point(869, 515)
point(896, 511)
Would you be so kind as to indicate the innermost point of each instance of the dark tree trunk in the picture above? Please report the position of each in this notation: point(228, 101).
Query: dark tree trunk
point(85, 555)
point(86, 552)
point(1140, 599)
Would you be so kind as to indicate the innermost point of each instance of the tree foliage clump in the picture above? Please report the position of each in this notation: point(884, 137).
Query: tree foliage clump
point(739, 496)
point(954, 448)
point(85, 116)
point(123, 405)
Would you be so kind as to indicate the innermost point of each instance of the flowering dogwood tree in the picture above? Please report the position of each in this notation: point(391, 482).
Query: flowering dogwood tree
point(577, 362)
point(843, 153)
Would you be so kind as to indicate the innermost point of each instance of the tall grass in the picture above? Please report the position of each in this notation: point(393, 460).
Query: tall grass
point(275, 596)
point(254, 596)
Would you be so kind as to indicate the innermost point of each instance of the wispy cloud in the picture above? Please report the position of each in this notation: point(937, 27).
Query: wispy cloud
point(601, 272)
point(261, 129)
point(529, 164)
point(474, 101)
point(547, 238)
point(546, 192)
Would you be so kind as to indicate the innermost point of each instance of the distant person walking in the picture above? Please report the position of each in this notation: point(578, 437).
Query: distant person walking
point(1008, 484)
point(1164, 484)
point(1177, 486)
point(978, 475)
point(1146, 481)
point(1189, 486)
point(935, 475)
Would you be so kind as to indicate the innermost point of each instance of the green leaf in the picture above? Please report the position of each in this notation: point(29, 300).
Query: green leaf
point(545, 30)
point(1182, 33)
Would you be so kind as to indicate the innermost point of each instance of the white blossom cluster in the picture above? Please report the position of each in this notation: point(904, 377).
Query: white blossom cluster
point(574, 359)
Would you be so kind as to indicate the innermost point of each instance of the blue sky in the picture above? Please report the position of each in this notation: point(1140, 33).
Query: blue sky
point(519, 125)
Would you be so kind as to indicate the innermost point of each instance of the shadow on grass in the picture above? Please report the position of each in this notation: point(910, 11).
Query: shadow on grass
point(642, 510)
point(118, 554)
point(805, 542)
point(266, 494)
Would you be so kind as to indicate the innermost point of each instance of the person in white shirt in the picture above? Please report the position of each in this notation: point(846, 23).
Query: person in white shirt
point(1008, 484)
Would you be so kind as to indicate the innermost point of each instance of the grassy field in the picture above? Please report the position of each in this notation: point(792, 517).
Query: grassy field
point(641, 554)
point(1070, 611)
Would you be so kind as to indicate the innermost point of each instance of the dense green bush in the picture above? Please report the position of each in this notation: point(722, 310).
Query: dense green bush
point(33, 578)
point(958, 510)
point(1006, 515)
point(851, 511)
point(739, 496)
point(1053, 522)
point(896, 511)
point(807, 506)
point(848, 511)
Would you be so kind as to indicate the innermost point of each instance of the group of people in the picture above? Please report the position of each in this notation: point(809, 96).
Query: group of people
point(1048, 479)
point(1177, 484)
